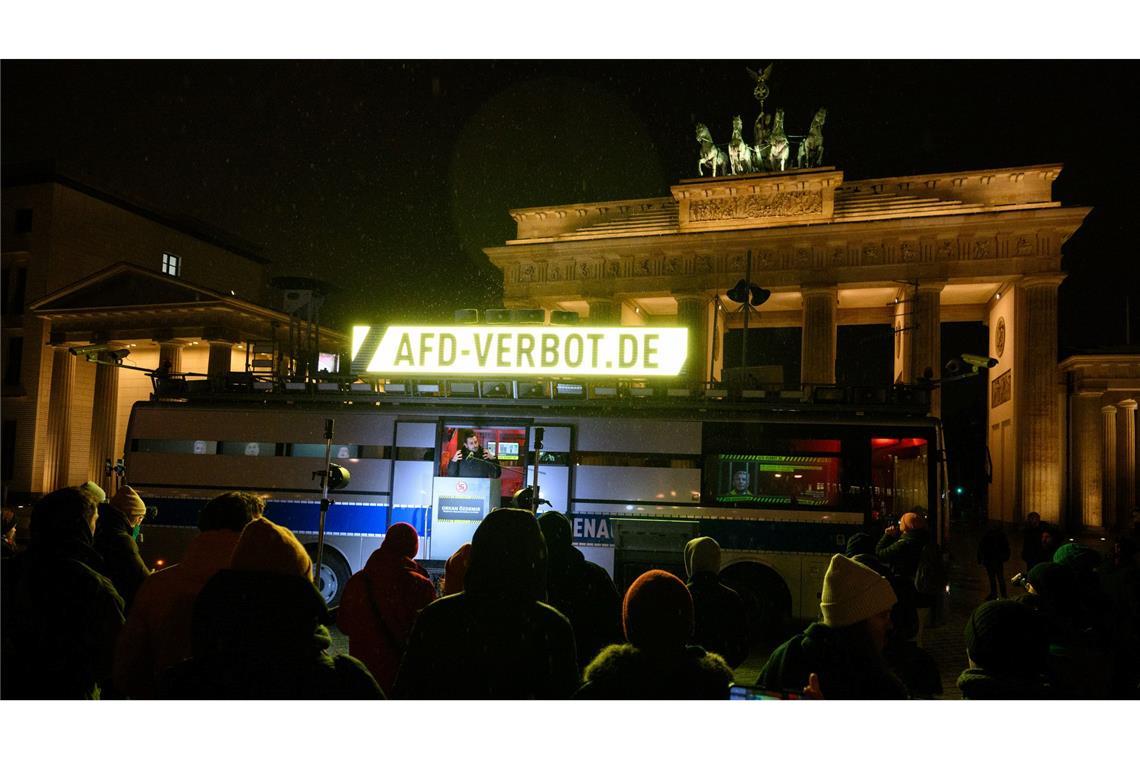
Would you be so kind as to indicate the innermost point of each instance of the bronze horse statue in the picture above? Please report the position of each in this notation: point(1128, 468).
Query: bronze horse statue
point(779, 147)
point(711, 154)
point(739, 152)
point(811, 149)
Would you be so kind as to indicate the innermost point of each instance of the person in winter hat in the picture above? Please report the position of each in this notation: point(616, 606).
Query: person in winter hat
point(721, 625)
point(61, 616)
point(116, 540)
point(1079, 666)
point(913, 665)
point(496, 639)
point(1007, 650)
point(157, 633)
point(580, 590)
point(259, 632)
point(658, 661)
point(380, 603)
point(845, 650)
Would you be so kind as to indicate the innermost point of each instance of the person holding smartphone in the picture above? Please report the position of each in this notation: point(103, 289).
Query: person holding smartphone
point(471, 460)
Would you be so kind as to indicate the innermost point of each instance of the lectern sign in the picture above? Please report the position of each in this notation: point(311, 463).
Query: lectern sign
point(519, 350)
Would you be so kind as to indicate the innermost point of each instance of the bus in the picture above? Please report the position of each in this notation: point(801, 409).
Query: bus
point(780, 483)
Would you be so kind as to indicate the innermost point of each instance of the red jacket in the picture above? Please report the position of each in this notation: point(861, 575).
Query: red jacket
point(378, 608)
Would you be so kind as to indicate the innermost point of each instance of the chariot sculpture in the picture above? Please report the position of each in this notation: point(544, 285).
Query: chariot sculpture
point(771, 149)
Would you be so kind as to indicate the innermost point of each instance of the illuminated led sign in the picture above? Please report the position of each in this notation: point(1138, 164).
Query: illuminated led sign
point(519, 350)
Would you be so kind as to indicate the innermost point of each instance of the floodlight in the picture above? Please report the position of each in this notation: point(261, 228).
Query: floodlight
point(528, 316)
point(497, 316)
point(496, 389)
point(467, 317)
point(564, 317)
point(462, 388)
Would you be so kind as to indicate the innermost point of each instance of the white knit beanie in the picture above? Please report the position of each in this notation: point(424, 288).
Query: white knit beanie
point(853, 592)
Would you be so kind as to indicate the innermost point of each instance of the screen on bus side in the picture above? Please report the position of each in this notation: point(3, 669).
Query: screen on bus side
point(777, 480)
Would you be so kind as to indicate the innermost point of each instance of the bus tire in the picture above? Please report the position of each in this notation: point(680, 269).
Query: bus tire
point(334, 574)
point(767, 600)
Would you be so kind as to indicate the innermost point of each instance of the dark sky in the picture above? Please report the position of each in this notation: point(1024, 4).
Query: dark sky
point(390, 177)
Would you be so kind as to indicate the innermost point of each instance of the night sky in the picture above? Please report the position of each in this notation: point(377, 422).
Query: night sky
point(389, 177)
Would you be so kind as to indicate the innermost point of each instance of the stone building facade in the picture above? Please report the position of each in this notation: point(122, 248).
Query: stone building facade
point(912, 252)
point(83, 267)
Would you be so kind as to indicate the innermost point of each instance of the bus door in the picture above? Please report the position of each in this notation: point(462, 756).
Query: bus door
point(553, 466)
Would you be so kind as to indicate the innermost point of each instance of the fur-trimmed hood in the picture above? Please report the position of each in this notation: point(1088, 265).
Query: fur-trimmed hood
point(622, 671)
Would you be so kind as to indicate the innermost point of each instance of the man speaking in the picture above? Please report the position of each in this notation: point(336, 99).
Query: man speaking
point(471, 460)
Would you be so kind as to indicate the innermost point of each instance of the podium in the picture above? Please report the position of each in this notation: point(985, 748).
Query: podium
point(458, 505)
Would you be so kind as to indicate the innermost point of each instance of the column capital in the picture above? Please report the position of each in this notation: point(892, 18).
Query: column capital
point(819, 290)
point(931, 286)
point(1047, 279)
point(1108, 410)
point(1128, 404)
point(691, 295)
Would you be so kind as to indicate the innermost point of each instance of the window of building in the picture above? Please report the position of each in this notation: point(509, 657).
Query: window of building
point(13, 360)
point(171, 264)
point(23, 221)
point(15, 281)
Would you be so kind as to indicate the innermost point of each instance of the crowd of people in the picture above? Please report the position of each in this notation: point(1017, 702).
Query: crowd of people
point(523, 615)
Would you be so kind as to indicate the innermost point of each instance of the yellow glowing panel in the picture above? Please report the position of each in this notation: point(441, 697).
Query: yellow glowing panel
point(525, 350)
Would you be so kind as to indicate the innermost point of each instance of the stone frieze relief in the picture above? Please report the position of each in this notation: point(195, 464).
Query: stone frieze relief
point(790, 203)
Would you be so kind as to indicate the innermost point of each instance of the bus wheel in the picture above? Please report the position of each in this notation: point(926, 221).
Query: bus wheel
point(767, 601)
point(333, 576)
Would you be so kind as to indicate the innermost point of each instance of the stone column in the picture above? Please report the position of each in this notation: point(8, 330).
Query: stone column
point(603, 311)
point(1087, 455)
point(170, 351)
point(1108, 490)
point(219, 361)
point(1127, 454)
point(925, 337)
point(58, 449)
point(693, 313)
point(104, 416)
point(1037, 397)
point(817, 347)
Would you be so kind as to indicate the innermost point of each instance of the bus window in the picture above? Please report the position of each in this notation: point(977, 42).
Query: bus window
point(248, 448)
point(506, 444)
point(775, 480)
point(899, 473)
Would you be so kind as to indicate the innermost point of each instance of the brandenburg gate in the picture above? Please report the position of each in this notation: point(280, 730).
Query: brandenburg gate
point(911, 252)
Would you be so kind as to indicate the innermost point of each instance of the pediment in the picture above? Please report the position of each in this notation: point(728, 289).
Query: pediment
point(124, 286)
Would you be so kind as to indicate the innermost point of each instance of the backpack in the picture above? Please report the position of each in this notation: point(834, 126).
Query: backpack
point(931, 576)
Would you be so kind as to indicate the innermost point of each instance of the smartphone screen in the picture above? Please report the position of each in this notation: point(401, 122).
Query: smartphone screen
point(738, 692)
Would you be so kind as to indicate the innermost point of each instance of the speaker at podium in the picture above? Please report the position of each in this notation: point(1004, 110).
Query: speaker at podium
point(458, 505)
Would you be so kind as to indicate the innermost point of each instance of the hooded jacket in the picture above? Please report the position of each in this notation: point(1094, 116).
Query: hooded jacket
point(580, 590)
point(495, 639)
point(262, 635)
point(845, 671)
point(622, 671)
point(157, 632)
point(381, 602)
point(658, 662)
point(61, 616)
point(978, 683)
point(121, 559)
point(258, 631)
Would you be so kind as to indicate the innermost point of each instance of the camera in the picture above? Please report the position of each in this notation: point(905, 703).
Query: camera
point(981, 362)
point(1019, 580)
